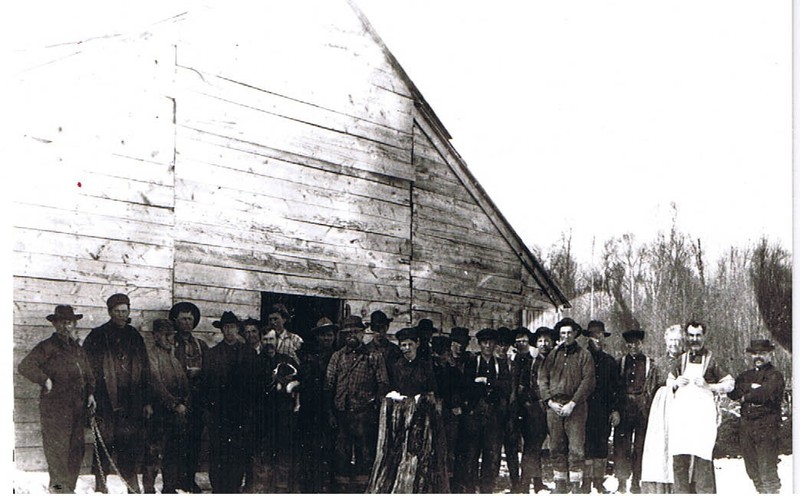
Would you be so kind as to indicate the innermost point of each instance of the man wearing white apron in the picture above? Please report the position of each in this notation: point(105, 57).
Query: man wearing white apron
point(693, 417)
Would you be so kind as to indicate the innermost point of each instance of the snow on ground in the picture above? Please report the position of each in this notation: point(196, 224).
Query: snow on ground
point(731, 479)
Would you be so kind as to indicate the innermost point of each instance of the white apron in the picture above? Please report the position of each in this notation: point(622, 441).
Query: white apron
point(656, 460)
point(693, 417)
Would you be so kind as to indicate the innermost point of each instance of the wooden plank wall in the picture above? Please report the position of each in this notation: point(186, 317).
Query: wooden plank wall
point(93, 198)
point(291, 177)
point(462, 267)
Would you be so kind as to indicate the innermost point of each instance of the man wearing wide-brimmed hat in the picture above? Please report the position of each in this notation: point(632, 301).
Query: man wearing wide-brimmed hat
point(59, 366)
point(190, 351)
point(760, 391)
point(220, 395)
point(378, 325)
point(118, 358)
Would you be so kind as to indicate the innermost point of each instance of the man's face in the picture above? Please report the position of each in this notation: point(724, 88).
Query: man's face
point(487, 347)
point(567, 334)
point(355, 338)
point(456, 349)
point(252, 335)
point(695, 338)
point(185, 321)
point(119, 315)
point(760, 358)
point(270, 339)
point(380, 331)
point(276, 321)
point(409, 348)
point(165, 339)
point(326, 339)
point(66, 328)
point(230, 333)
point(674, 343)
point(544, 344)
point(633, 346)
point(522, 344)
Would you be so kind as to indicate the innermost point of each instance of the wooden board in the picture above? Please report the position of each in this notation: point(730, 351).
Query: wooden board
point(94, 271)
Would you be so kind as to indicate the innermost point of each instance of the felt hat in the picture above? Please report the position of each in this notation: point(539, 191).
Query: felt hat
point(227, 318)
point(426, 328)
point(566, 321)
point(378, 318)
point(323, 325)
point(760, 345)
point(163, 325)
point(185, 306)
point(64, 312)
point(440, 344)
point(596, 324)
point(407, 333)
point(633, 335)
point(523, 331)
point(545, 331)
point(460, 335)
point(486, 334)
point(505, 336)
point(352, 322)
point(117, 299)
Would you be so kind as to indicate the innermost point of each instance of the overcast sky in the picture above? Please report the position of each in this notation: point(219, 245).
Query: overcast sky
point(597, 116)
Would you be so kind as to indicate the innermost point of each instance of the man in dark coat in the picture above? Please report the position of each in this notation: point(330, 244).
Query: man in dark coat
point(118, 358)
point(190, 351)
point(166, 433)
point(59, 365)
point(223, 397)
point(565, 381)
point(378, 326)
point(411, 374)
point(603, 412)
point(634, 406)
point(460, 339)
point(760, 391)
point(487, 389)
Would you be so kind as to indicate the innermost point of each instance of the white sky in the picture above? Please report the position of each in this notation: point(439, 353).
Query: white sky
point(595, 116)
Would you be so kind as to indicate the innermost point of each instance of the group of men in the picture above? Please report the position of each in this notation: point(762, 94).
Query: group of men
point(287, 414)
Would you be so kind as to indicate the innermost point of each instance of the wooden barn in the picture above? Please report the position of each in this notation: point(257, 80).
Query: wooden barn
point(290, 159)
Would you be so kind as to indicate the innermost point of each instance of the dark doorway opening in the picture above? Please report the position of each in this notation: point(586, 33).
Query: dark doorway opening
point(305, 310)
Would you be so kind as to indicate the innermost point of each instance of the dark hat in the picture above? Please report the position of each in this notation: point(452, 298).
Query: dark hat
point(163, 325)
point(487, 333)
point(64, 312)
point(117, 299)
point(425, 327)
point(545, 331)
point(351, 322)
point(185, 306)
point(407, 333)
point(378, 318)
point(324, 324)
point(460, 335)
point(505, 335)
point(595, 324)
point(440, 344)
point(632, 335)
point(253, 322)
point(566, 321)
point(523, 331)
point(227, 318)
point(759, 345)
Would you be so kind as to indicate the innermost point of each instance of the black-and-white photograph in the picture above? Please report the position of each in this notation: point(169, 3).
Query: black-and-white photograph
point(400, 246)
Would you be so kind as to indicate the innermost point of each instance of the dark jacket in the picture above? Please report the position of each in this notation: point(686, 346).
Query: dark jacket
point(414, 377)
point(64, 362)
point(497, 388)
point(761, 401)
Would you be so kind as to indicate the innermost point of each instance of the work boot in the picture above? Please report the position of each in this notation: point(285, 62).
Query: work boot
point(586, 486)
point(538, 485)
point(561, 487)
point(100, 484)
point(598, 485)
point(576, 487)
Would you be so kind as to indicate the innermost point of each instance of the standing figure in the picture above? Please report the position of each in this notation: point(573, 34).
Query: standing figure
point(355, 383)
point(487, 389)
point(448, 382)
point(455, 426)
point(378, 325)
point(760, 391)
point(252, 331)
point(693, 416)
point(166, 433)
point(510, 436)
point(190, 351)
point(426, 331)
point(288, 342)
point(634, 405)
point(523, 360)
point(656, 461)
point(59, 365)
point(603, 411)
point(222, 395)
point(565, 382)
point(118, 358)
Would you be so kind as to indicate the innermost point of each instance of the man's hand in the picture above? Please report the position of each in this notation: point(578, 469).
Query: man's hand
point(48, 385)
point(457, 411)
point(682, 381)
point(555, 407)
point(614, 418)
point(566, 410)
point(148, 411)
point(91, 404)
point(700, 382)
point(180, 409)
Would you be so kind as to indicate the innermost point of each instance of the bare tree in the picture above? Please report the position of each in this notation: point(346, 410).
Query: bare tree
point(771, 275)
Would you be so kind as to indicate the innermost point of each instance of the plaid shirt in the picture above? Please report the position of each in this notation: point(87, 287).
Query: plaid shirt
point(288, 344)
point(357, 378)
